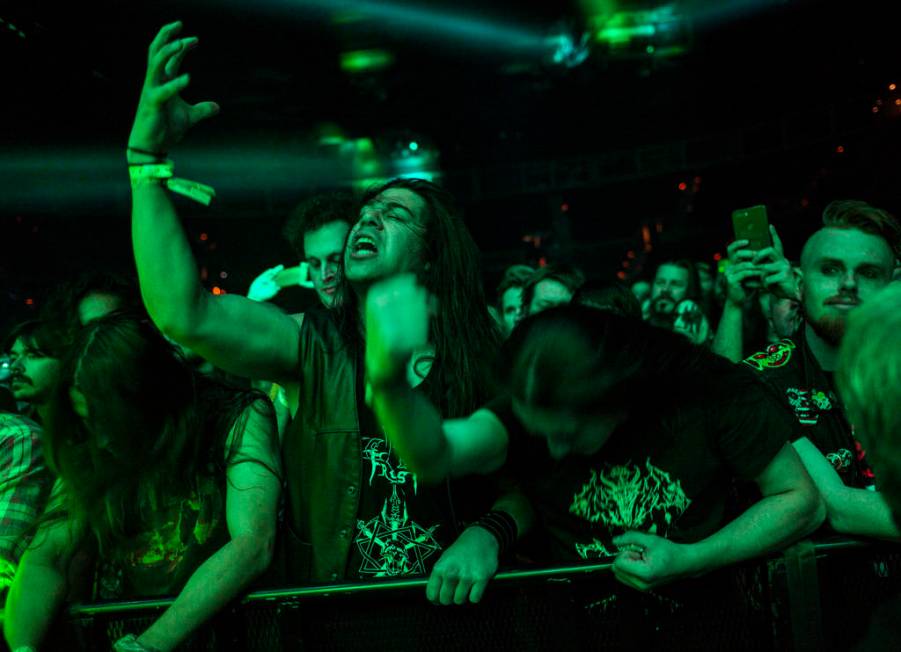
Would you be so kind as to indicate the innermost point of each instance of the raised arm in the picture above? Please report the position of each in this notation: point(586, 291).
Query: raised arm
point(253, 489)
point(397, 315)
point(237, 334)
point(729, 338)
point(849, 510)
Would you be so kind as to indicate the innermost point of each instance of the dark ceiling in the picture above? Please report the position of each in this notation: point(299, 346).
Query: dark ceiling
point(757, 104)
point(274, 67)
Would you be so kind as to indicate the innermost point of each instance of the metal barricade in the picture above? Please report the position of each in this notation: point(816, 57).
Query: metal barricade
point(812, 596)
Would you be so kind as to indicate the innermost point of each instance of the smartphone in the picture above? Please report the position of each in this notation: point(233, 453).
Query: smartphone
point(751, 224)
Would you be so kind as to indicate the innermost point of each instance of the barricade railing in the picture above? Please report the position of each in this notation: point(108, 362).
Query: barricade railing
point(812, 596)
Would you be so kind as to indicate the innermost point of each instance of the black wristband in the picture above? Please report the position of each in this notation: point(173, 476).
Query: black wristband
point(501, 526)
point(138, 150)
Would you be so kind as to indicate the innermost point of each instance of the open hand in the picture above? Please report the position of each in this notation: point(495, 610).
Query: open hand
point(264, 286)
point(464, 570)
point(163, 117)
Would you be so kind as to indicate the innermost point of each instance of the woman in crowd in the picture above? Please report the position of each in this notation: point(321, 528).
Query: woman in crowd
point(170, 478)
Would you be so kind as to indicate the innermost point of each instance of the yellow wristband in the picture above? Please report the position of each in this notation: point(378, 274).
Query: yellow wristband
point(163, 172)
point(147, 172)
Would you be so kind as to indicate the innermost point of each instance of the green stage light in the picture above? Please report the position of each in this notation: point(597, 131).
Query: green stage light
point(365, 60)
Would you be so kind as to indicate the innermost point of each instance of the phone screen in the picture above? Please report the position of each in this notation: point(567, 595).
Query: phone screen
point(751, 224)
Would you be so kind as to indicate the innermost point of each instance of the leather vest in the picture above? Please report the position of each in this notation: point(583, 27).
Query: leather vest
point(322, 457)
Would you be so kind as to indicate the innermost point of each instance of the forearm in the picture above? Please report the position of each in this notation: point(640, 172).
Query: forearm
point(170, 284)
point(518, 507)
point(33, 601)
point(213, 585)
point(861, 512)
point(849, 510)
point(414, 427)
point(21, 514)
point(729, 333)
point(770, 524)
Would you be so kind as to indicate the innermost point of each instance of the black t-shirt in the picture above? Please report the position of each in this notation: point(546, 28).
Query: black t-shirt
point(791, 370)
point(402, 526)
point(664, 470)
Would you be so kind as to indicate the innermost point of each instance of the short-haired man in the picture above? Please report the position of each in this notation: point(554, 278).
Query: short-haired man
point(843, 265)
point(550, 286)
point(317, 230)
point(509, 295)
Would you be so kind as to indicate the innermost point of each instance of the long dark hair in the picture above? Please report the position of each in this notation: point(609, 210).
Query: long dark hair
point(154, 426)
point(41, 336)
point(463, 333)
point(593, 361)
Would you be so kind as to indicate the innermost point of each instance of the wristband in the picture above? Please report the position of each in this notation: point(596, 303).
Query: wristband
point(143, 173)
point(501, 526)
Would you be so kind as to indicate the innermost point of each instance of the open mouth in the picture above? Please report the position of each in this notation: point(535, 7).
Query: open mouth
point(843, 303)
point(362, 247)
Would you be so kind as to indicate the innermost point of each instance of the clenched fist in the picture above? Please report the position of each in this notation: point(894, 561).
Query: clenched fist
point(397, 324)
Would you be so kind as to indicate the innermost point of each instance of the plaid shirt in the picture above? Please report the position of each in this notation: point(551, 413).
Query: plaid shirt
point(24, 484)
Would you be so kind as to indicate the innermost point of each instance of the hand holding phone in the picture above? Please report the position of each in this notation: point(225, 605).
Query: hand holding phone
point(775, 270)
point(752, 234)
point(751, 224)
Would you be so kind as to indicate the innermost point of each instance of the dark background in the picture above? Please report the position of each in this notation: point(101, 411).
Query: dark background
point(782, 103)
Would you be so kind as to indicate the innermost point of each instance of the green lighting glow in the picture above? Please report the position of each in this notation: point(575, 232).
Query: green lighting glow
point(674, 51)
point(329, 133)
point(414, 145)
point(617, 28)
point(365, 60)
point(624, 34)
